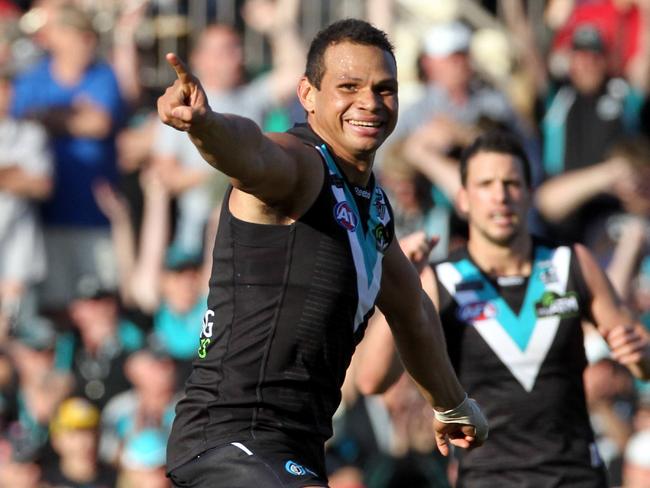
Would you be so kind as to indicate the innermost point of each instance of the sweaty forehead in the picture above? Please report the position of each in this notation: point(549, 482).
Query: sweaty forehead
point(347, 59)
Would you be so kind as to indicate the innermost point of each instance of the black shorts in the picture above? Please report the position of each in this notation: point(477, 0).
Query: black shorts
point(247, 464)
point(562, 476)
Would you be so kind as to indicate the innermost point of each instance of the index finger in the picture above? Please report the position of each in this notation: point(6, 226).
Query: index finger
point(182, 72)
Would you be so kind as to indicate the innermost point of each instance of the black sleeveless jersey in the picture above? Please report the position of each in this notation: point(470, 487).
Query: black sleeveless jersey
point(287, 306)
point(517, 347)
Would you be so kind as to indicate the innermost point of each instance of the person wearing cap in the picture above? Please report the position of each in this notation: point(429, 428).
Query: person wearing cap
point(77, 98)
point(622, 24)
point(148, 405)
point(100, 342)
point(586, 121)
point(74, 437)
point(40, 384)
point(452, 90)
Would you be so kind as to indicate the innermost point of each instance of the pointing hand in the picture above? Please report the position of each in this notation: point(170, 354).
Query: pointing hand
point(184, 104)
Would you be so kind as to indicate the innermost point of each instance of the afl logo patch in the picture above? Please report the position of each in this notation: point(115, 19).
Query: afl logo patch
point(345, 216)
point(473, 312)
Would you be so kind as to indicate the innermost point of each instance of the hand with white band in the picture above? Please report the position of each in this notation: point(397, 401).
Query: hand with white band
point(463, 426)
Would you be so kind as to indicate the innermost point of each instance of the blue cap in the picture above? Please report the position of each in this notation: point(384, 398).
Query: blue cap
point(36, 332)
point(178, 259)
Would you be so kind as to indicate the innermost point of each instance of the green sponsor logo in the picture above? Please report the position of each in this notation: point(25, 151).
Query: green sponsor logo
point(552, 304)
point(203, 347)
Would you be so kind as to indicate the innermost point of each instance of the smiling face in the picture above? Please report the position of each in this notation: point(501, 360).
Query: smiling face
point(355, 109)
point(495, 198)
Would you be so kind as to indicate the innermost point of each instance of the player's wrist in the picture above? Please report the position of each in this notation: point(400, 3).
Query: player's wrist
point(466, 412)
point(450, 412)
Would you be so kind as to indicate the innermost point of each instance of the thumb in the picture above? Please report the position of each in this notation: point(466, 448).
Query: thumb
point(442, 443)
point(183, 113)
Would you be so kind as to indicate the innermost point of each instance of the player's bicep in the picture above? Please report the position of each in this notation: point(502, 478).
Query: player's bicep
point(283, 171)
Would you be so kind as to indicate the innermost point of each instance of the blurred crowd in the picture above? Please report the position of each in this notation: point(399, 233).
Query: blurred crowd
point(107, 216)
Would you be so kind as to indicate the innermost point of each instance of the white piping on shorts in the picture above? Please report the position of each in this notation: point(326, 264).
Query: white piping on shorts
point(241, 446)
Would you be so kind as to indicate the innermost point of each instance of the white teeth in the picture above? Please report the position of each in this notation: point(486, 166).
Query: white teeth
point(362, 123)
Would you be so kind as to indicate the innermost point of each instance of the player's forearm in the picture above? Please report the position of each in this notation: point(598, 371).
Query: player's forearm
point(21, 183)
point(560, 196)
point(378, 366)
point(423, 351)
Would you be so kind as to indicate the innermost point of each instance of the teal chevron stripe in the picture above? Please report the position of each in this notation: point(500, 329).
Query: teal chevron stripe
point(366, 238)
point(519, 327)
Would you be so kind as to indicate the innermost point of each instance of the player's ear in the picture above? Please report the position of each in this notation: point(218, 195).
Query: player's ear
point(306, 92)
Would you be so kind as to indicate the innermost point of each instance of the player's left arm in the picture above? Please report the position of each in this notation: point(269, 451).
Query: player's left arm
point(628, 340)
point(420, 341)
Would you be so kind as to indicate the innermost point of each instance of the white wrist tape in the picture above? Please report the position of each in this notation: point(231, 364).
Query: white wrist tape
point(467, 413)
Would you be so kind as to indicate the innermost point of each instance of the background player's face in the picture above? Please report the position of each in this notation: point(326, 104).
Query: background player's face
point(355, 109)
point(495, 197)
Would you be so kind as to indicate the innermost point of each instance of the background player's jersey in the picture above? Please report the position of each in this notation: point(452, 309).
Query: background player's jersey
point(517, 346)
point(287, 306)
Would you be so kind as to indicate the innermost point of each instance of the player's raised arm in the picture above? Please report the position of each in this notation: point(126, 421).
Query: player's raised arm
point(264, 166)
point(626, 336)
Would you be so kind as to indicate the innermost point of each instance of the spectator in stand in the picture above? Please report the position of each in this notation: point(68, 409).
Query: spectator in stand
point(453, 92)
point(142, 463)
point(96, 358)
point(588, 204)
point(584, 118)
point(636, 470)
point(75, 437)
point(16, 472)
point(610, 395)
point(76, 97)
point(217, 59)
point(40, 386)
point(25, 178)
point(148, 405)
point(623, 26)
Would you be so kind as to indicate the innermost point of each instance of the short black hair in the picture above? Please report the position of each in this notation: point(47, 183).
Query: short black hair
point(348, 30)
point(498, 141)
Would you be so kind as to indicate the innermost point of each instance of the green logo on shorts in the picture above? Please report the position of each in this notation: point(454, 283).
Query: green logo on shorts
point(203, 348)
